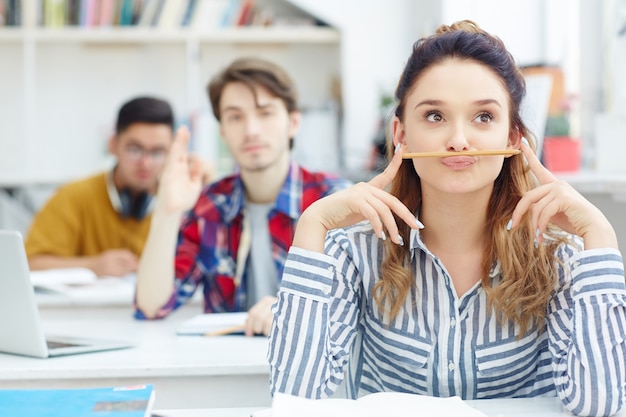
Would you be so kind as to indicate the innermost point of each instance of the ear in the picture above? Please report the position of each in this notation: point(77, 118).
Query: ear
point(295, 119)
point(398, 132)
point(515, 140)
point(112, 145)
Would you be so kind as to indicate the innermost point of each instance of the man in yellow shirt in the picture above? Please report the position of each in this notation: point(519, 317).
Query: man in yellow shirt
point(102, 222)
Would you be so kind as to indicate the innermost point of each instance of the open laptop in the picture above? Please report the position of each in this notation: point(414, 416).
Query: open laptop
point(21, 331)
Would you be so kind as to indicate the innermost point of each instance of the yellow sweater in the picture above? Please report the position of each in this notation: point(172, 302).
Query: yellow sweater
point(79, 220)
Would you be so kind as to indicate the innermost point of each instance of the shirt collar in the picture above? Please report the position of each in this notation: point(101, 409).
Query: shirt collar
point(288, 201)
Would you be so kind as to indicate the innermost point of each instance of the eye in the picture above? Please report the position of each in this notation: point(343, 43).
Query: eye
point(434, 117)
point(484, 118)
point(266, 113)
point(233, 117)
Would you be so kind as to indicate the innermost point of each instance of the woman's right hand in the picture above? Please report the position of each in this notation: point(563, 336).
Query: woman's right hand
point(181, 180)
point(362, 201)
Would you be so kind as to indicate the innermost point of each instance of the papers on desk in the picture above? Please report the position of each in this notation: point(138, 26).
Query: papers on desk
point(374, 405)
point(129, 401)
point(213, 324)
point(84, 284)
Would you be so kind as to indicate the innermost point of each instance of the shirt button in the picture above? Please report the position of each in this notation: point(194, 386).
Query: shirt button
point(576, 264)
point(452, 323)
point(451, 366)
point(326, 291)
point(330, 269)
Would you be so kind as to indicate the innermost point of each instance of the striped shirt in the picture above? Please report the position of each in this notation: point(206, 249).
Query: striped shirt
point(210, 238)
point(326, 326)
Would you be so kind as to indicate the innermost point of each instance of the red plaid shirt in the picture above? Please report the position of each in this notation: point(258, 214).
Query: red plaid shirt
point(210, 234)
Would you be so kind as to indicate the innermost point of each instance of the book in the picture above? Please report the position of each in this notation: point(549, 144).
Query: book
point(215, 323)
point(124, 401)
point(371, 405)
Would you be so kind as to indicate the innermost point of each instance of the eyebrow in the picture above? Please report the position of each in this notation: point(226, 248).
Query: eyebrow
point(258, 106)
point(440, 103)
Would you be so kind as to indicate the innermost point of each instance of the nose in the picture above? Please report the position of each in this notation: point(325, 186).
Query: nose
point(458, 139)
point(253, 127)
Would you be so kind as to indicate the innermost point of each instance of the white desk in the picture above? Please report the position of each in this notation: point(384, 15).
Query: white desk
point(187, 371)
point(514, 407)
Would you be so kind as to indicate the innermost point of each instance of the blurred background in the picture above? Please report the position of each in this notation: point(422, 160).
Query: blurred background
point(67, 66)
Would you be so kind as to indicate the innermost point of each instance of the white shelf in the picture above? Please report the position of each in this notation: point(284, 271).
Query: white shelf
point(247, 35)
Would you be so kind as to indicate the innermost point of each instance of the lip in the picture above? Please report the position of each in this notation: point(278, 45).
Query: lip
point(253, 148)
point(458, 162)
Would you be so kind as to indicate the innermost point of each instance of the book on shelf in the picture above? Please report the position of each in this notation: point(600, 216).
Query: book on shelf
point(123, 401)
point(371, 405)
point(213, 324)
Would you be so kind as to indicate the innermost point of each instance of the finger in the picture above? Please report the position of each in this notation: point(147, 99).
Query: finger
point(249, 326)
point(397, 207)
point(196, 169)
point(386, 217)
point(384, 178)
point(526, 202)
point(267, 328)
point(542, 173)
point(541, 214)
point(179, 147)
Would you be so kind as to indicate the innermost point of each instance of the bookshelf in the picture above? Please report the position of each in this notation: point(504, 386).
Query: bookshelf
point(62, 86)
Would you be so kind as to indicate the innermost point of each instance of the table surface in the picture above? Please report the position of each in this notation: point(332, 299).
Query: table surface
point(509, 407)
point(189, 371)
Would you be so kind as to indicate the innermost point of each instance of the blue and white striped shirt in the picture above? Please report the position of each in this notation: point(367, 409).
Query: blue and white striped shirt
point(441, 344)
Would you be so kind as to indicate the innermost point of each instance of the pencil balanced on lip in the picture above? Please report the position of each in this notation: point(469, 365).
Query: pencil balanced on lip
point(491, 152)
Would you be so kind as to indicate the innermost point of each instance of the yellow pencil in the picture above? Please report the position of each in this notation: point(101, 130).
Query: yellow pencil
point(491, 152)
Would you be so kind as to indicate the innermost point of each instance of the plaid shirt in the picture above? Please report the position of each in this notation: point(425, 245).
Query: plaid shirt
point(210, 236)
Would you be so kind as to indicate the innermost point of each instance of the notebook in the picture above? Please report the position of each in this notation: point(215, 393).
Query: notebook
point(20, 325)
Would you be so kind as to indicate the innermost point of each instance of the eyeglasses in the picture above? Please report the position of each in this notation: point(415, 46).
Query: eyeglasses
point(136, 153)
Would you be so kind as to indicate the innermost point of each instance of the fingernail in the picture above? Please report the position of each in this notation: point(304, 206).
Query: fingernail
point(525, 141)
point(419, 223)
point(397, 148)
point(509, 224)
point(536, 243)
point(536, 240)
point(382, 236)
point(537, 233)
point(400, 241)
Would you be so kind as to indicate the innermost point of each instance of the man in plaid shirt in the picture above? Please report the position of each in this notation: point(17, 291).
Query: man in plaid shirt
point(235, 234)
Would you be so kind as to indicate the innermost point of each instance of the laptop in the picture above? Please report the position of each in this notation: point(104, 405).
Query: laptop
point(21, 332)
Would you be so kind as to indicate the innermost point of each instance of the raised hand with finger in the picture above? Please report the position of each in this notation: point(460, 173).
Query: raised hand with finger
point(362, 201)
point(181, 180)
point(555, 201)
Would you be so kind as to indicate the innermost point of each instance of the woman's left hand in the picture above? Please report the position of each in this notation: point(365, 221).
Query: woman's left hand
point(555, 201)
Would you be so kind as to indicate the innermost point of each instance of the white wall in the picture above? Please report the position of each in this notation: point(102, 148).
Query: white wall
point(376, 37)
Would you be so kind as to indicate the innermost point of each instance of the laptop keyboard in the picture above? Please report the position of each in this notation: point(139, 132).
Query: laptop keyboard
point(55, 345)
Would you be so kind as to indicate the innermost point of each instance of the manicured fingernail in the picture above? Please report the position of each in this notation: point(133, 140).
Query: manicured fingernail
point(509, 224)
point(525, 141)
point(536, 240)
point(400, 241)
point(382, 236)
point(397, 148)
point(419, 223)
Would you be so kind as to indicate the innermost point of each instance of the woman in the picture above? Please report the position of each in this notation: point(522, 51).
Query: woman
point(490, 293)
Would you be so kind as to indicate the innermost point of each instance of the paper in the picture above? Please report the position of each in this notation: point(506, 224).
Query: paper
point(82, 283)
point(208, 323)
point(128, 401)
point(379, 404)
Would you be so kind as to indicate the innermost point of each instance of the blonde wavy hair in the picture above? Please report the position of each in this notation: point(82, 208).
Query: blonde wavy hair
point(528, 273)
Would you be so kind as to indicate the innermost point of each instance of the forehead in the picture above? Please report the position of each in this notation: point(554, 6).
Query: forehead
point(237, 95)
point(147, 135)
point(454, 80)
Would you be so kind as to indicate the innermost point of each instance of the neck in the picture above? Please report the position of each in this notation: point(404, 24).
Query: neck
point(454, 223)
point(263, 186)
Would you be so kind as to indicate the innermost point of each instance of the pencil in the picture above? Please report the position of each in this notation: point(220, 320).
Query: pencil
point(226, 330)
point(491, 152)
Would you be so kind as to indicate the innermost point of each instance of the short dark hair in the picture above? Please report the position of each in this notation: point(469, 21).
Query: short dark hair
point(254, 72)
point(144, 110)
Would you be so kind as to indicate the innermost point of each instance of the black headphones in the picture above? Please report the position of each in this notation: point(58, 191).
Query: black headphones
point(127, 203)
